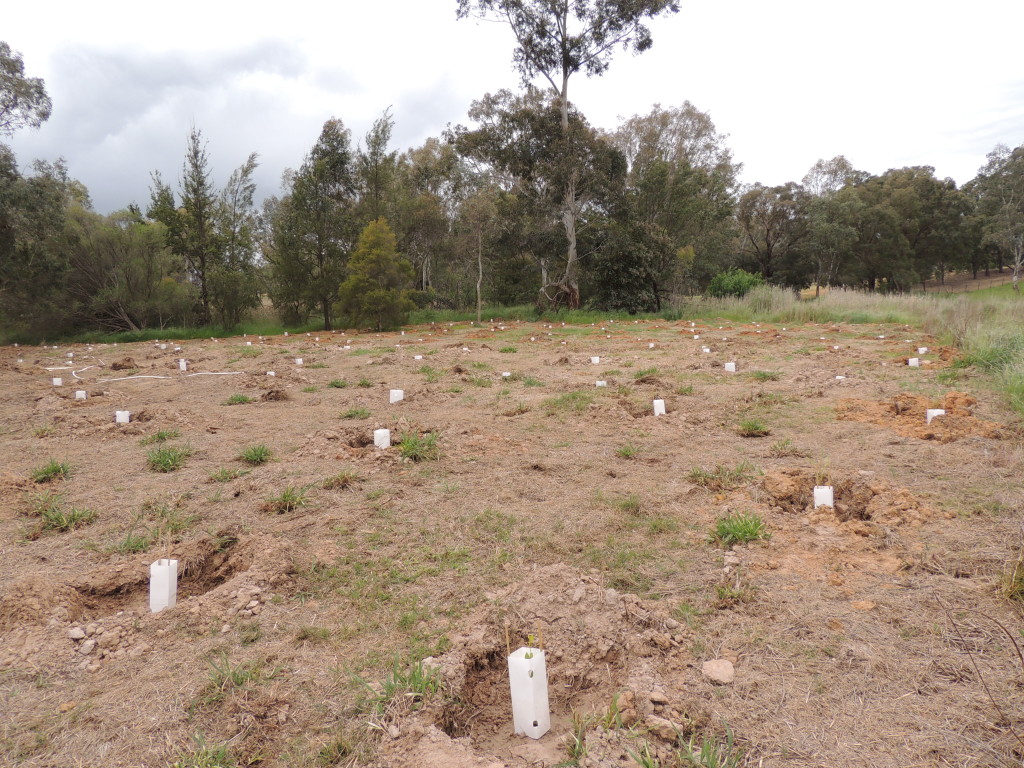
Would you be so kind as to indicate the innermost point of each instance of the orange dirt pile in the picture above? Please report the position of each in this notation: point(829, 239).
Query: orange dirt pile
point(905, 415)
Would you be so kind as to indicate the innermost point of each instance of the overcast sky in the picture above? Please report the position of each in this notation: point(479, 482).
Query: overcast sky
point(888, 83)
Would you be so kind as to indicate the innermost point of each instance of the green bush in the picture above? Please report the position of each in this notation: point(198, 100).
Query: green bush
point(733, 282)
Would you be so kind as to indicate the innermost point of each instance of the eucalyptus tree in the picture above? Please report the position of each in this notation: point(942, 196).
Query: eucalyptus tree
point(24, 102)
point(556, 39)
point(999, 189)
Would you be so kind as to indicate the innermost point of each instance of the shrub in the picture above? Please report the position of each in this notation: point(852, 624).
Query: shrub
point(733, 282)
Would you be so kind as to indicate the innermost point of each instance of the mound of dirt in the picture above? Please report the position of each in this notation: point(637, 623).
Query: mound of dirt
point(37, 599)
point(124, 364)
point(606, 652)
point(859, 499)
point(905, 415)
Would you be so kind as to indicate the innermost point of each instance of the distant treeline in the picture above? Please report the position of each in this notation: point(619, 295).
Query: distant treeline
point(478, 216)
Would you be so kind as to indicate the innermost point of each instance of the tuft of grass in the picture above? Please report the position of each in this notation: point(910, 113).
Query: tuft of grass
point(337, 384)
point(339, 482)
point(291, 498)
point(419, 447)
point(356, 413)
point(1011, 584)
point(309, 634)
point(571, 401)
point(627, 451)
point(766, 375)
point(317, 365)
point(722, 478)
point(783, 448)
point(364, 383)
point(225, 677)
point(753, 428)
point(508, 350)
point(226, 475)
point(712, 753)
point(250, 352)
point(432, 374)
point(684, 390)
point(56, 519)
point(409, 686)
point(630, 505)
point(238, 400)
point(529, 381)
point(51, 470)
point(203, 756)
point(645, 372)
point(309, 389)
point(739, 528)
point(168, 458)
point(256, 455)
point(160, 437)
point(480, 381)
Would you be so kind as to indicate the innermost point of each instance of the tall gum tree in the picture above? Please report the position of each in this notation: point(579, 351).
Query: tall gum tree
point(555, 39)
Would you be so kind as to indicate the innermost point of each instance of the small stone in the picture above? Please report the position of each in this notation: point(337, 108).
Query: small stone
point(863, 605)
point(94, 667)
point(67, 706)
point(662, 728)
point(578, 595)
point(256, 610)
point(393, 731)
point(731, 560)
point(90, 629)
point(252, 604)
point(161, 632)
point(138, 650)
point(657, 697)
point(77, 633)
point(225, 629)
point(87, 647)
point(719, 671)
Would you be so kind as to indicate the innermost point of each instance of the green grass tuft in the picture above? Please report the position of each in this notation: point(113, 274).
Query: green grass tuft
point(419, 447)
point(51, 470)
point(238, 400)
point(168, 458)
point(739, 528)
point(256, 455)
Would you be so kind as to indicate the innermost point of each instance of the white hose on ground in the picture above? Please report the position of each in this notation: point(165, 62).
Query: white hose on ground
point(126, 378)
point(75, 373)
point(215, 373)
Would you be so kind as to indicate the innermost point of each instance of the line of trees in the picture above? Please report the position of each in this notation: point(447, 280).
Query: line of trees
point(527, 203)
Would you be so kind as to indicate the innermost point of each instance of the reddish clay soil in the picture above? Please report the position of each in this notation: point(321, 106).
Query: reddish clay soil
point(868, 634)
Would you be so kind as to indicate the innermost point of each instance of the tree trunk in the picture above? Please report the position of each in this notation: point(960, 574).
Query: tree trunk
point(480, 272)
point(325, 305)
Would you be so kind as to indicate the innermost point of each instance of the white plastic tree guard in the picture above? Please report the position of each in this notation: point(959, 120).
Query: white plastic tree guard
point(163, 584)
point(696, 337)
point(914, 362)
point(840, 378)
point(81, 394)
point(730, 367)
point(298, 361)
point(271, 373)
point(248, 343)
point(122, 417)
point(933, 413)
point(650, 345)
point(922, 350)
point(823, 496)
point(659, 407)
point(602, 383)
point(182, 365)
point(595, 361)
point(57, 381)
point(382, 438)
point(396, 396)
point(417, 357)
point(506, 374)
point(528, 680)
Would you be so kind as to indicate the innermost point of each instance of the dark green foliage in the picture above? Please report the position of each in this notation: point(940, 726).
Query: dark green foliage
point(733, 282)
point(376, 291)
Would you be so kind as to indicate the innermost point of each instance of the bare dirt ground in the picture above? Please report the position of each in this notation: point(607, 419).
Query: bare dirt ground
point(863, 635)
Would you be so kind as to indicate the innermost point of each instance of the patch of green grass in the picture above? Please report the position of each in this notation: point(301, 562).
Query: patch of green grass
point(250, 352)
point(203, 756)
point(753, 428)
point(529, 381)
point(356, 413)
point(133, 543)
point(508, 350)
point(315, 366)
point(364, 383)
point(226, 474)
point(432, 374)
point(783, 448)
point(947, 377)
point(480, 381)
point(225, 677)
point(711, 753)
point(51, 470)
point(729, 595)
point(766, 375)
point(307, 634)
point(238, 400)
point(684, 390)
point(629, 505)
point(419, 447)
point(576, 402)
point(160, 437)
point(412, 686)
point(256, 455)
point(168, 458)
point(339, 482)
point(43, 431)
point(656, 525)
point(288, 500)
point(337, 384)
point(722, 478)
point(645, 372)
point(56, 519)
point(480, 366)
point(627, 451)
point(309, 389)
point(739, 528)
